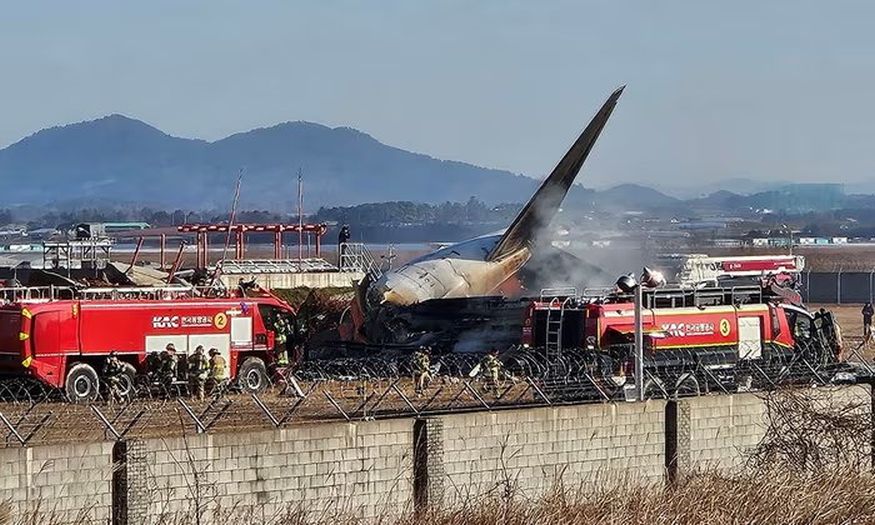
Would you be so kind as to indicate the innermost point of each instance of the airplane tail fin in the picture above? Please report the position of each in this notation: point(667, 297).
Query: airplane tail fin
point(543, 205)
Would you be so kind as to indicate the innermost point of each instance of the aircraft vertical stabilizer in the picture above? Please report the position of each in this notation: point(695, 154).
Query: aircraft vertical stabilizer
point(543, 205)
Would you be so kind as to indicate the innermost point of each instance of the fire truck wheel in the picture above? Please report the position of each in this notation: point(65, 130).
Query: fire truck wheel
point(127, 382)
point(82, 384)
point(252, 375)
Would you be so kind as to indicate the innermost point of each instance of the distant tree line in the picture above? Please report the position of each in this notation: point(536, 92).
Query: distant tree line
point(399, 213)
point(396, 213)
point(156, 218)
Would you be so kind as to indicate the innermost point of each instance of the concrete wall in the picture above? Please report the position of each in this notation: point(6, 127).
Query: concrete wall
point(384, 468)
point(528, 451)
point(719, 431)
point(364, 469)
point(63, 481)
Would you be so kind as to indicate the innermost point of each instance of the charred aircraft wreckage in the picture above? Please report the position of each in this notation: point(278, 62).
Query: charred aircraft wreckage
point(753, 334)
point(451, 298)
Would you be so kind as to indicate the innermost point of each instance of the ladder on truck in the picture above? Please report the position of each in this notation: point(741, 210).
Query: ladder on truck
point(560, 298)
point(139, 293)
point(10, 294)
point(700, 297)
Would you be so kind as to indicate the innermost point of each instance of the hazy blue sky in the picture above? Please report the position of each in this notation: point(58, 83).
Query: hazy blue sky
point(777, 89)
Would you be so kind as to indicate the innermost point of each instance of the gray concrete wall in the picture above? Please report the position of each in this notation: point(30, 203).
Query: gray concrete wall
point(57, 482)
point(529, 451)
point(384, 468)
point(364, 469)
point(719, 431)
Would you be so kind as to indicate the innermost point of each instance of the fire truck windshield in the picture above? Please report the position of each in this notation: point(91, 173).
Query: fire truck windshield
point(272, 314)
point(800, 323)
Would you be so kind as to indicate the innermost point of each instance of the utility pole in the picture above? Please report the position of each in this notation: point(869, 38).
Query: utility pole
point(233, 215)
point(639, 341)
point(300, 214)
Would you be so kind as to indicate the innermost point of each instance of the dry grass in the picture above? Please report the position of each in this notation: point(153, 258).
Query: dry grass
point(708, 497)
point(701, 498)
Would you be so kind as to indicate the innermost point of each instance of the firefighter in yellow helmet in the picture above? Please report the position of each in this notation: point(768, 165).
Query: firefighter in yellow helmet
point(218, 372)
point(491, 366)
point(198, 371)
point(421, 361)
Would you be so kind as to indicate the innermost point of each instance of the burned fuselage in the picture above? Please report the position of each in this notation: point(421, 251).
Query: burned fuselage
point(477, 267)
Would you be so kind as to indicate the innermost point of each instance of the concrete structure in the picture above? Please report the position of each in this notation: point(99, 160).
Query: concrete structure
point(362, 468)
point(529, 451)
point(273, 281)
point(60, 484)
point(388, 467)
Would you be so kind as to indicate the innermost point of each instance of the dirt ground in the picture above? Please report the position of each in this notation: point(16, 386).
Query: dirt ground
point(851, 322)
point(59, 422)
point(848, 316)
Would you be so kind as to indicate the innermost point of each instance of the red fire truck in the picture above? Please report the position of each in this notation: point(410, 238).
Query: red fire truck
point(685, 328)
point(64, 343)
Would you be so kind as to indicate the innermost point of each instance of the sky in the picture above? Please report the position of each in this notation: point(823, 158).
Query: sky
point(778, 90)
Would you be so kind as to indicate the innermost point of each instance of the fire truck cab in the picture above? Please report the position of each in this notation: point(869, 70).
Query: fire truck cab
point(64, 343)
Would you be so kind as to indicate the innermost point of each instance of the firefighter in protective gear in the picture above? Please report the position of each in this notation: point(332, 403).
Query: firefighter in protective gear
point(281, 330)
point(421, 368)
point(218, 374)
point(343, 238)
point(153, 366)
point(167, 374)
point(198, 370)
point(867, 312)
point(491, 366)
point(112, 374)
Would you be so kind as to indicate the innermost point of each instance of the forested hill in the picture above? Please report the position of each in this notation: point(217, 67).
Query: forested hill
point(117, 158)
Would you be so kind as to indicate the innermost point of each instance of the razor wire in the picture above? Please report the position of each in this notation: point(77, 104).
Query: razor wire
point(355, 389)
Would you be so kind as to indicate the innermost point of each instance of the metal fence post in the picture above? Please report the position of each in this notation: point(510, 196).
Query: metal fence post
point(639, 343)
point(808, 286)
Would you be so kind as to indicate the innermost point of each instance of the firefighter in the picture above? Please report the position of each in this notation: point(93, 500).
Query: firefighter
point(301, 332)
point(112, 374)
point(167, 374)
point(867, 312)
point(153, 366)
point(421, 368)
point(198, 370)
point(342, 239)
point(218, 374)
point(281, 330)
point(491, 366)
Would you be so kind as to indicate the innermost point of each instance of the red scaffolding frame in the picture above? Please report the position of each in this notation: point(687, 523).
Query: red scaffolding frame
point(314, 232)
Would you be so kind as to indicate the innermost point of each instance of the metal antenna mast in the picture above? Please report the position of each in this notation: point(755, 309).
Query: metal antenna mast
point(233, 215)
point(300, 214)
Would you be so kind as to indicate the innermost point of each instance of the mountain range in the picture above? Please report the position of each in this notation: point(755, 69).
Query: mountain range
point(117, 160)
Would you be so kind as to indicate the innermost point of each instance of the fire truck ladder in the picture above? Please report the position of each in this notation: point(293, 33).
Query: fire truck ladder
point(32, 293)
point(555, 317)
point(145, 292)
